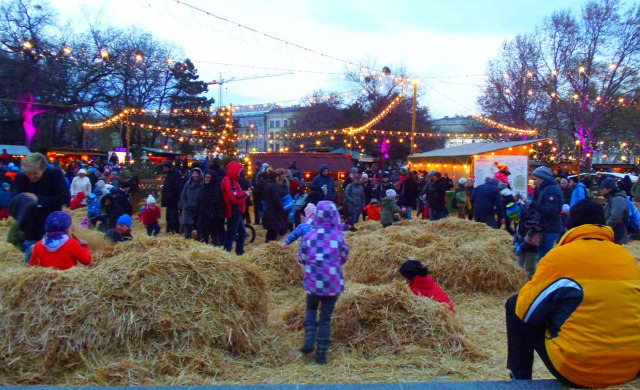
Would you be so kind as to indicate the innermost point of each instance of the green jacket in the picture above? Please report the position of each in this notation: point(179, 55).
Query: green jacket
point(389, 207)
point(461, 196)
point(635, 191)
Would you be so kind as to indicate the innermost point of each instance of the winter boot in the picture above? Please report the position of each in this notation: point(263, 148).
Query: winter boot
point(310, 332)
point(321, 353)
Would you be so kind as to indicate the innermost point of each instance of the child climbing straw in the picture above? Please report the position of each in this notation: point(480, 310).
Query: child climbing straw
point(421, 283)
point(302, 229)
point(322, 253)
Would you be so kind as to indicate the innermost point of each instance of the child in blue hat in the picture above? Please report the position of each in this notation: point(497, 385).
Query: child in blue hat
point(5, 199)
point(122, 231)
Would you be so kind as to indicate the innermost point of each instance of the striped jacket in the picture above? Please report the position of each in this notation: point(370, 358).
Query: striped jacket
point(587, 292)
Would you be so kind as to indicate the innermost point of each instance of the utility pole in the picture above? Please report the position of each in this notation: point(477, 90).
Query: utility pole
point(413, 119)
point(126, 157)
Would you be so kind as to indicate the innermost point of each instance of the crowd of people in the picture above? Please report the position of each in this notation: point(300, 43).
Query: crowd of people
point(578, 311)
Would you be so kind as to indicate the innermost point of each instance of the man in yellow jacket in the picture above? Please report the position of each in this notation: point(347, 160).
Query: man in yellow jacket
point(581, 310)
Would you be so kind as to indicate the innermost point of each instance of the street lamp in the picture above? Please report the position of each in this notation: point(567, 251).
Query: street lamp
point(413, 119)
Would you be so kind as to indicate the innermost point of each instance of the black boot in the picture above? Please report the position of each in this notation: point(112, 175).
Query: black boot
point(310, 332)
point(321, 353)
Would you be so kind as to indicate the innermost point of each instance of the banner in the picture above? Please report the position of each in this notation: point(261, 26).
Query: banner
point(485, 166)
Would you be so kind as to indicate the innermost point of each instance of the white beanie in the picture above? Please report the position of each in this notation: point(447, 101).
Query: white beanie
point(390, 193)
point(82, 171)
point(462, 180)
point(151, 200)
point(365, 176)
point(309, 210)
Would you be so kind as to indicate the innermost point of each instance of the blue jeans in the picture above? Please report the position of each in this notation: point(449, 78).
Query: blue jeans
point(436, 215)
point(235, 232)
point(188, 229)
point(27, 248)
point(409, 211)
point(354, 217)
point(153, 229)
point(323, 326)
point(547, 243)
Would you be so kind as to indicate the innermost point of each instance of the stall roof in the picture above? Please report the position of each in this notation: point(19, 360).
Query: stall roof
point(356, 155)
point(15, 150)
point(475, 148)
point(306, 162)
point(76, 152)
point(158, 151)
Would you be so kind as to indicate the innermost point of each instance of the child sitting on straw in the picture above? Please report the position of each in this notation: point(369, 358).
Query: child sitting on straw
point(150, 216)
point(122, 231)
point(421, 283)
point(59, 249)
point(5, 198)
point(373, 210)
point(302, 229)
point(76, 202)
point(323, 252)
point(389, 207)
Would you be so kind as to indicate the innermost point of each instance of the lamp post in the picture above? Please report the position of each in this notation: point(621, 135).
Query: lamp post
point(413, 119)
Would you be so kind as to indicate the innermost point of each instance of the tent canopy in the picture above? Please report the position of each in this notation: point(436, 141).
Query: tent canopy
point(15, 150)
point(462, 154)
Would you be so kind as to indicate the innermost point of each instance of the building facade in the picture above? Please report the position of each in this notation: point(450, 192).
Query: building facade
point(453, 127)
point(259, 126)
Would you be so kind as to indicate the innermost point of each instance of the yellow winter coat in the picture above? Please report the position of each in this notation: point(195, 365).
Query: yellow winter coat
point(588, 292)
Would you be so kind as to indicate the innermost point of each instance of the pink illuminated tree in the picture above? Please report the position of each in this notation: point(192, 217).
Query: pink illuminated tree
point(29, 111)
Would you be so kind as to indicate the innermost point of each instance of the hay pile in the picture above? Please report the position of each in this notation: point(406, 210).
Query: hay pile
point(462, 255)
point(142, 303)
point(390, 319)
point(280, 264)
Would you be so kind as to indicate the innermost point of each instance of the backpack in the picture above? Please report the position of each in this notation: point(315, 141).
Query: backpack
point(300, 202)
point(588, 194)
point(633, 220)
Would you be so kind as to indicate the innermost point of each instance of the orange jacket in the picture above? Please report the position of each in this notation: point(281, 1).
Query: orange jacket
point(373, 212)
point(587, 292)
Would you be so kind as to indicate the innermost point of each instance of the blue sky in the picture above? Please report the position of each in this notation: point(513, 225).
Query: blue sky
point(431, 39)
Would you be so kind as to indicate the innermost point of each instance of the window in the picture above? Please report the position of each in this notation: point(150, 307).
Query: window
point(284, 123)
point(271, 124)
point(277, 123)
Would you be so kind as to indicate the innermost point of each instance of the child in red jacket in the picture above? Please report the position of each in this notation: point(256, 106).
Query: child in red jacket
point(76, 202)
point(421, 283)
point(150, 216)
point(58, 249)
point(373, 210)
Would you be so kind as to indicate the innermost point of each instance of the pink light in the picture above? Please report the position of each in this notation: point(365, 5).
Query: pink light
point(28, 113)
point(384, 148)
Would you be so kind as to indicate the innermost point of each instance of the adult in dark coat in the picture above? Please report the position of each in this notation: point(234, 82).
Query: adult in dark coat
point(219, 231)
point(409, 193)
point(207, 209)
point(325, 179)
point(487, 201)
point(436, 193)
point(171, 191)
point(189, 201)
point(45, 185)
point(315, 195)
point(274, 212)
point(548, 204)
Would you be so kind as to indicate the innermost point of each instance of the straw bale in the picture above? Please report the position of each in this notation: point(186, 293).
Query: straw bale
point(280, 264)
point(461, 255)
point(390, 319)
point(141, 302)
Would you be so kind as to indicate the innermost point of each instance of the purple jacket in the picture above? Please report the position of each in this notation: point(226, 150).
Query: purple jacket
point(323, 252)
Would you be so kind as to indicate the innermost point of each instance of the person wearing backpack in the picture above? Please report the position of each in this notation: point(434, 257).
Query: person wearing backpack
point(548, 204)
point(616, 212)
point(578, 191)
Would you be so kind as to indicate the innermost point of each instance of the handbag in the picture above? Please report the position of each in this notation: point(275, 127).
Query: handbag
point(287, 202)
point(535, 234)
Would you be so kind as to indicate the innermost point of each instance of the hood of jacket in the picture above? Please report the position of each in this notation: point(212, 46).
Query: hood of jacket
point(323, 167)
point(327, 215)
point(233, 170)
point(54, 240)
point(201, 176)
point(592, 232)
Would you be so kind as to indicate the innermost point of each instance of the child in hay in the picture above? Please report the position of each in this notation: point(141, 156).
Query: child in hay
point(373, 210)
point(5, 198)
point(150, 216)
point(76, 202)
point(59, 249)
point(322, 253)
point(302, 229)
point(389, 207)
point(122, 231)
point(421, 283)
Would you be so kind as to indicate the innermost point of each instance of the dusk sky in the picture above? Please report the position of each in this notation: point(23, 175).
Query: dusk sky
point(444, 43)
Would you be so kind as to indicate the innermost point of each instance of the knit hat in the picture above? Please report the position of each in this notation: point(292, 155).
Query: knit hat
point(585, 212)
point(20, 206)
point(5, 185)
point(151, 199)
point(100, 184)
point(373, 200)
point(513, 211)
point(542, 173)
point(385, 175)
point(264, 166)
point(58, 221)
point(353, 170)
point(564, 181)
point(502, 185)
point(10, 166)
point(412, 268)
point(83, 171)
point(494, 181)
point(364, 176)
point(390, 193)
point(405, 170)
point(565, 208)
point(609, 183)
point(309, 210)
point(462, 180)
point(125, 219)
point(501, 167)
